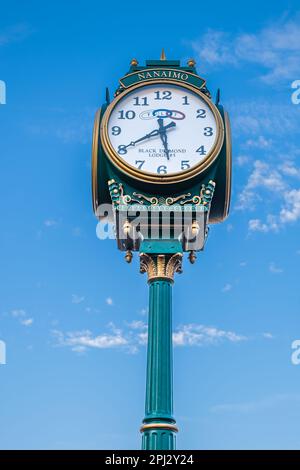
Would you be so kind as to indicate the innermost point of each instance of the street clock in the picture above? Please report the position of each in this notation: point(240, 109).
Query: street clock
point(162, 142)
point(161, 173)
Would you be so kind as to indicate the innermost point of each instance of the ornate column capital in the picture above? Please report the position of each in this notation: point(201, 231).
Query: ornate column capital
point(162, 266)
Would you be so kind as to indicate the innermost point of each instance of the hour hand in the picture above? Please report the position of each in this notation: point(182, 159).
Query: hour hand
point(154, 133)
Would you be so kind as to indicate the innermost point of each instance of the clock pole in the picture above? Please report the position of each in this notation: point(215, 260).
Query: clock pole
point(159, 427)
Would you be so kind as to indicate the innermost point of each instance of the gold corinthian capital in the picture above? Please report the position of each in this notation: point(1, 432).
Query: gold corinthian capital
point(161, 266)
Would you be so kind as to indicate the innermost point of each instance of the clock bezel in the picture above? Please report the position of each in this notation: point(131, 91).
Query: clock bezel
point(148, 177)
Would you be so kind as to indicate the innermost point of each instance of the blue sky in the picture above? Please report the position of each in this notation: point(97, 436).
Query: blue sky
point(72, 312)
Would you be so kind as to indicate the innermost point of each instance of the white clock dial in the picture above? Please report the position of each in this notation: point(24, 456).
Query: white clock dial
point(162, 129)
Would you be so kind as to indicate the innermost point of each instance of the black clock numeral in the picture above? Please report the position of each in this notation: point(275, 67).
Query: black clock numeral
point(126, 115)
point(201, 150)
point(162, 169)
point(201, 113)
point(185, 164)
point(139, 163)
point(185, 100)
point(122, 150)
point(208, 131)
point(163, 95)
point(116, 130)
point(140, 101)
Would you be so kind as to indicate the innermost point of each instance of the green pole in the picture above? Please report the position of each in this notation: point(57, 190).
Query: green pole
point(159, 428)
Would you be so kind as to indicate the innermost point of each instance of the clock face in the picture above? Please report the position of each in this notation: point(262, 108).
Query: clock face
point(162, 129)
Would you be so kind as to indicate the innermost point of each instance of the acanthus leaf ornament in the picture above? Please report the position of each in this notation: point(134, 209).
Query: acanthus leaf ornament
point(161, 266)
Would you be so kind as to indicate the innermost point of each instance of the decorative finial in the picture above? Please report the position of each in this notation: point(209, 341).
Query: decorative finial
point(192, 257)
point(191, 63)
point(163, 55)
point(128, 256)
point(134, 62)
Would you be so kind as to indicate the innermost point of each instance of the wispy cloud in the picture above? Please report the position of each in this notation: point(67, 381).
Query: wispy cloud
point(198, 335)
point(268, 335)
point(50, 222)
point(21, 315)
point(15, 33)
point(263, 176)
point(275, 49)
point(66, 125)
point(268, 182)
point(226, 288)
point(27, 321)
point(135, 336)
point(77, 299)
point(254, 406)
point(17, 313)
point(80, 341)
point(274, 269)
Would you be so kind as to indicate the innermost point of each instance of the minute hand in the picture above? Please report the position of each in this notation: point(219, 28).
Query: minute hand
point(152, 134)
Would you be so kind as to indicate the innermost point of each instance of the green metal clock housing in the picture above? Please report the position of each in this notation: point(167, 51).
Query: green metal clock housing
point(207, 184)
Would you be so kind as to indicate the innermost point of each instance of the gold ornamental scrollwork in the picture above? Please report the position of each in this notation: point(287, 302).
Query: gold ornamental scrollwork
point(161, 266)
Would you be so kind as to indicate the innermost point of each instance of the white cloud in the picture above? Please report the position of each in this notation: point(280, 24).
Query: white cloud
point(271, 225)
point(109, 301)
point(79, 341)
point(77, 299)
point(198, 335)
point(268, 335)
point(50, 223)
point(274, 48)
point(143, 311)
point(261, 142)
point(291, 211)
point(226, 288)
point(18, 313)
point(136, 336)
point(21, 315)
point(241, 160)
point(289, 168)
point(26, 321)
point(263, 176)
point(249, 118)
point(137, 325)
point(274, 269)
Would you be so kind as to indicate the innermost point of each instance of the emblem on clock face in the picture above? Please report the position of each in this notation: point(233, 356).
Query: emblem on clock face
point(162, 132)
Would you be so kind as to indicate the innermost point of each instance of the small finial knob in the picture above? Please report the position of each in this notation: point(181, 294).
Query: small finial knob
point(163, 55)
point(134, 62)
point(191, 63)
point(128, 256)
point(192, 257)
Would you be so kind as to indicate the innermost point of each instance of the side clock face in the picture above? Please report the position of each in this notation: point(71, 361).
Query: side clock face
point(162, 132)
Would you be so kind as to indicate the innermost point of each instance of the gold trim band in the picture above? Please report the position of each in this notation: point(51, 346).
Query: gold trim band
point(169, 426)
